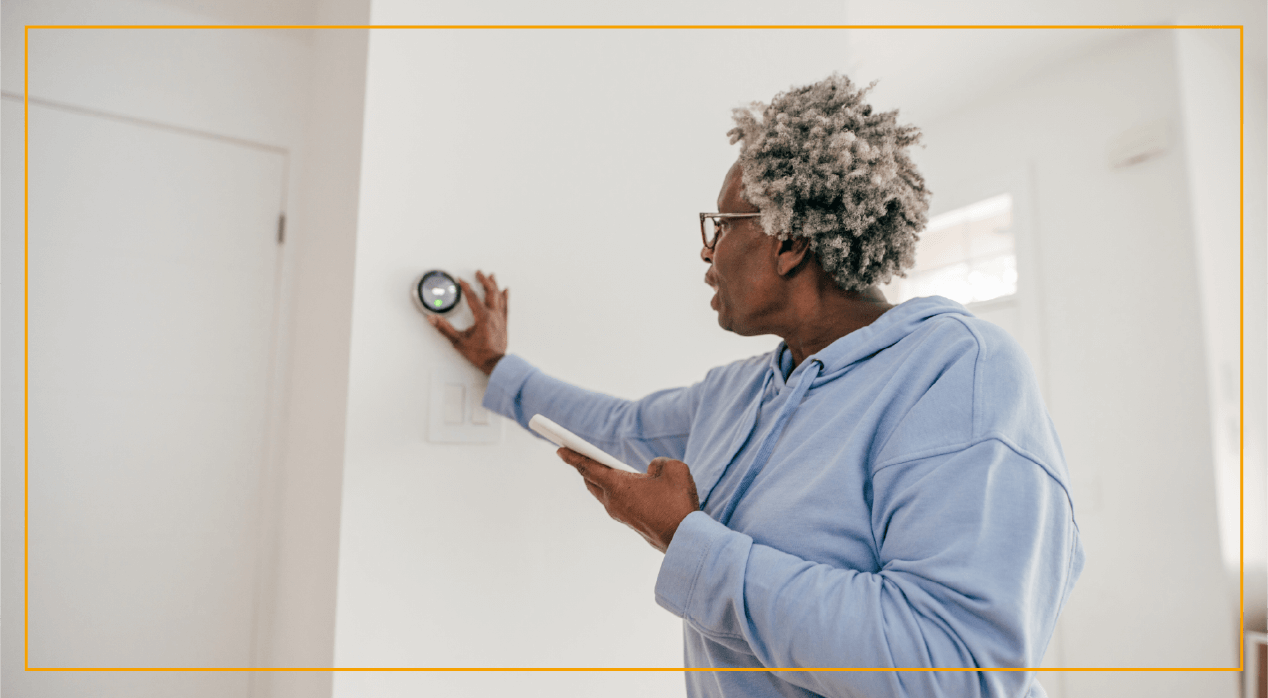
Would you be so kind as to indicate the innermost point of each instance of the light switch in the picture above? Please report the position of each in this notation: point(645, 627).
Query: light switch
point(479, 415)
point(454, 413)
point(455, 403)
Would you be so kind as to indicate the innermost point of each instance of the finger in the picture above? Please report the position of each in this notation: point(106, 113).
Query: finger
point(674, 471)
point(492, 296)
point(495, 297)
point(478, 310)
point(498, 299)
point(677, 469)
point(506, 294)
point(655, 467)
point(593, 471)
point(578, 461)
point(679, 474)
point(442, 325)
point(571, 457)
point(490, 287)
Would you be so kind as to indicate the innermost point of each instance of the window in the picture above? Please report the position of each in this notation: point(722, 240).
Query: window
point(967, 255)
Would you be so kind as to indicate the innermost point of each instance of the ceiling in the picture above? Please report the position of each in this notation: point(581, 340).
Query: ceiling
point(927, 71)
point(932, 71)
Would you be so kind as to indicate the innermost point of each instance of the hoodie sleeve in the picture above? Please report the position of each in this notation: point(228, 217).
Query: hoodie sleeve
point(635, 431)
point(967, 577)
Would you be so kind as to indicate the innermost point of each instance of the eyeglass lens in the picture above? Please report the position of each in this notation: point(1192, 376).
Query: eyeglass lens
point(710, 232)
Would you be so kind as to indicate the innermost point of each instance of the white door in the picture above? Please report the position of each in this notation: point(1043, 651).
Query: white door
point(153, 259)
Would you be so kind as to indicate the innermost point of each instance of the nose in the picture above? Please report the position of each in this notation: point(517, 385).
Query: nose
point(706, 255)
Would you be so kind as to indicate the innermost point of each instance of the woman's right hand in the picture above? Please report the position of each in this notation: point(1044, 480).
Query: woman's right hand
point(484, 343)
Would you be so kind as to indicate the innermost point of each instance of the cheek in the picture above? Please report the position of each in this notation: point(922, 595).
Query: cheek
point(734, 268)
point(726, 260)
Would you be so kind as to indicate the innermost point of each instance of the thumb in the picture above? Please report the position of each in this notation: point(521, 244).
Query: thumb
point(674, 469)
point(678, 474)
point(656, 467)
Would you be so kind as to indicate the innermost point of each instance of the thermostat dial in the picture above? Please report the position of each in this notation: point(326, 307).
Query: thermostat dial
point(437, 292)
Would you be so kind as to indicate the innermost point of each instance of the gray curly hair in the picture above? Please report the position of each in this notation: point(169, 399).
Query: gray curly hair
point(819, 164)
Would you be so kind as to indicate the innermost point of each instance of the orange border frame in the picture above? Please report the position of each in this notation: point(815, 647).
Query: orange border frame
point(1242, 192)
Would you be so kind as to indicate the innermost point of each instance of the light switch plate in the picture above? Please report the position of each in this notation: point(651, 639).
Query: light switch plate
point(447, 382)
point(454, 403)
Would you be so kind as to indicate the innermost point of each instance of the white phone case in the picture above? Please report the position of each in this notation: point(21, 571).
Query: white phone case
point(562, 437)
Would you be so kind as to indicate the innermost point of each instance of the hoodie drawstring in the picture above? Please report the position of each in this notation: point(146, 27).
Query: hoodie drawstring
point(768, 446)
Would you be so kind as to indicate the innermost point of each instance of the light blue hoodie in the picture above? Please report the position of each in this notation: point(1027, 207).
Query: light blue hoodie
point(899, 500)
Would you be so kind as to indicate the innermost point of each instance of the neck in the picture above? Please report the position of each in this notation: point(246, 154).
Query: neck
point(818, 319)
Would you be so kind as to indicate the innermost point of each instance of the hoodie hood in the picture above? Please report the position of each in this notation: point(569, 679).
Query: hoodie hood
point(838, 357)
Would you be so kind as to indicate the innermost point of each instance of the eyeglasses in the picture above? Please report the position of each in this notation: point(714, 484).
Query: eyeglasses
point(711, 226)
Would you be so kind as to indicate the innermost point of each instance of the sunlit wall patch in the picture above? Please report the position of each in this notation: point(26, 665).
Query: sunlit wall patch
point(968, 255)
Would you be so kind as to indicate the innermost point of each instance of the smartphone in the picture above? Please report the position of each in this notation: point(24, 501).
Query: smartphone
point(562, 437)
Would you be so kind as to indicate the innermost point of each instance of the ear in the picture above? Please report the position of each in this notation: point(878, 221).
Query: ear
point(790, 254)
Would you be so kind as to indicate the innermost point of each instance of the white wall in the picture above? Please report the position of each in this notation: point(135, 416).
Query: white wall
point(1209, 72)
point(1127, 384)
point(240, 84)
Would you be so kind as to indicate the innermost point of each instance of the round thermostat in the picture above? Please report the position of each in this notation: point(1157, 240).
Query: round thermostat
point(437, 292)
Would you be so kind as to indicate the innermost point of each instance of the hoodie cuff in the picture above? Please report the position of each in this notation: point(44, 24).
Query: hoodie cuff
point(684, 559)
point(505, 383)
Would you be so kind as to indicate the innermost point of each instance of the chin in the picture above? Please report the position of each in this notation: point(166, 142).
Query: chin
point(728, 324)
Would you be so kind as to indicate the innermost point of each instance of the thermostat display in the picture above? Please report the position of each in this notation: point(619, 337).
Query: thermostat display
point(437, 292)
